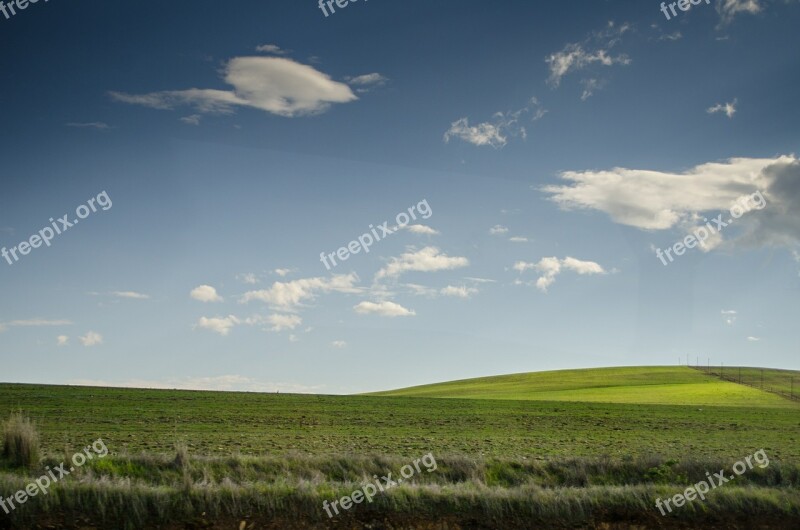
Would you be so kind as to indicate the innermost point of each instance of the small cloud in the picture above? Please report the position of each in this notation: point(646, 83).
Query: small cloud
point(458, 292)
point(91, 339)
point(429, 259)
point(552, 267)
point(590, 86)
point(221, 325)
point(283, 272)
point(194, 119)
point(729, 109)
point(293, 338)
point(62, 340)
point(280, 322)
point(729, 315)
point(495, 133)
point(385, 309)
point(272, 49)
point(33, 323)
point(205, 293)
point(422, 229)
point(367, 82)
point(753, 339)
point(594, 50)
point(248, 278)
point(518, 239)
point(97, 125)
point(339, 344)
point(498, 230)
point(130, 294)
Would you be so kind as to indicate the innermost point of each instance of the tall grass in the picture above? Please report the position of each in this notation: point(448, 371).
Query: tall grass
point(20, 442)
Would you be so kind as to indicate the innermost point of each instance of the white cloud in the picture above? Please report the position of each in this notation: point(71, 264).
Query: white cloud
point(283, 272)
point(590, 86)
point(458, 291)
point(728, 9)
point(385, 309)
point(62, 340)
point(205, 293)
point(130, 294)
point(339, 344)
point(273, 49)
point(421, 229)
point(98, 125)
point(518, 239)
point(367, 82)
point(498, 230)
point(429, 259)
point(496, 132)
point(221, 325)
point(281, 322)
point(657, 200)
point(273, 84)
point(729, 109)
point(91, 339)
point(551, 267)
point(33, 323)
point(289, 295)
point(248, 278)
point(193, 119)
point(753, 339)
point(729, 315)
point(595, 49)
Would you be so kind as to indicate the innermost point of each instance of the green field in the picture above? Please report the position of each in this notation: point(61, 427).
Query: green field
point(583, 443)
point(646, 385)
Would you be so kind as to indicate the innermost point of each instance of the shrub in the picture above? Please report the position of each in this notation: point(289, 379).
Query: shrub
point(20, 441)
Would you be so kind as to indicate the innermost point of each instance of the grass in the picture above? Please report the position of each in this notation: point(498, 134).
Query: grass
point(570, 448)
point(20, 442)
point(783, 382)
point(665, 385)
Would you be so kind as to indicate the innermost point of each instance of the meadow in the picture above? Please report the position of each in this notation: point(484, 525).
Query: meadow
point(563, 449)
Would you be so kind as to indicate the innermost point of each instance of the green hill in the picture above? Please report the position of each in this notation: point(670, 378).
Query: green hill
point(668, 385)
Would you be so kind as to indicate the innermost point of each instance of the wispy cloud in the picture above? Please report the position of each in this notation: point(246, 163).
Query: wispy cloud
point(385, 309)
point(33, 323)
point(594, 50)
point(496, 133)
point(273, 49)
point(97, 125)
point(729, 109)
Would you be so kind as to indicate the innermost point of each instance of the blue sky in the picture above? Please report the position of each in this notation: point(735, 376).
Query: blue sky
point(557, 146)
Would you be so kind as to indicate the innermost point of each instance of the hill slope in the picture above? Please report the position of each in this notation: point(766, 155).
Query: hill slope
point(668, 385)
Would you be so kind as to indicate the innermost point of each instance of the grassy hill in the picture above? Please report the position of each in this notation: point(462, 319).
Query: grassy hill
point(666, 385)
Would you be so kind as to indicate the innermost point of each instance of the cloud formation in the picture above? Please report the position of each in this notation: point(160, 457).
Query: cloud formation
point(551, 267)
point(659, 200)
point(384, 309)
point(289, 295)
point(594, 50)
point(428, 259)
point(205, 293)
point(495, 133)
point(273, 84)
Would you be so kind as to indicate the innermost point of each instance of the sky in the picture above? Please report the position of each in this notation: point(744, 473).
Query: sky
point(220, 160)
